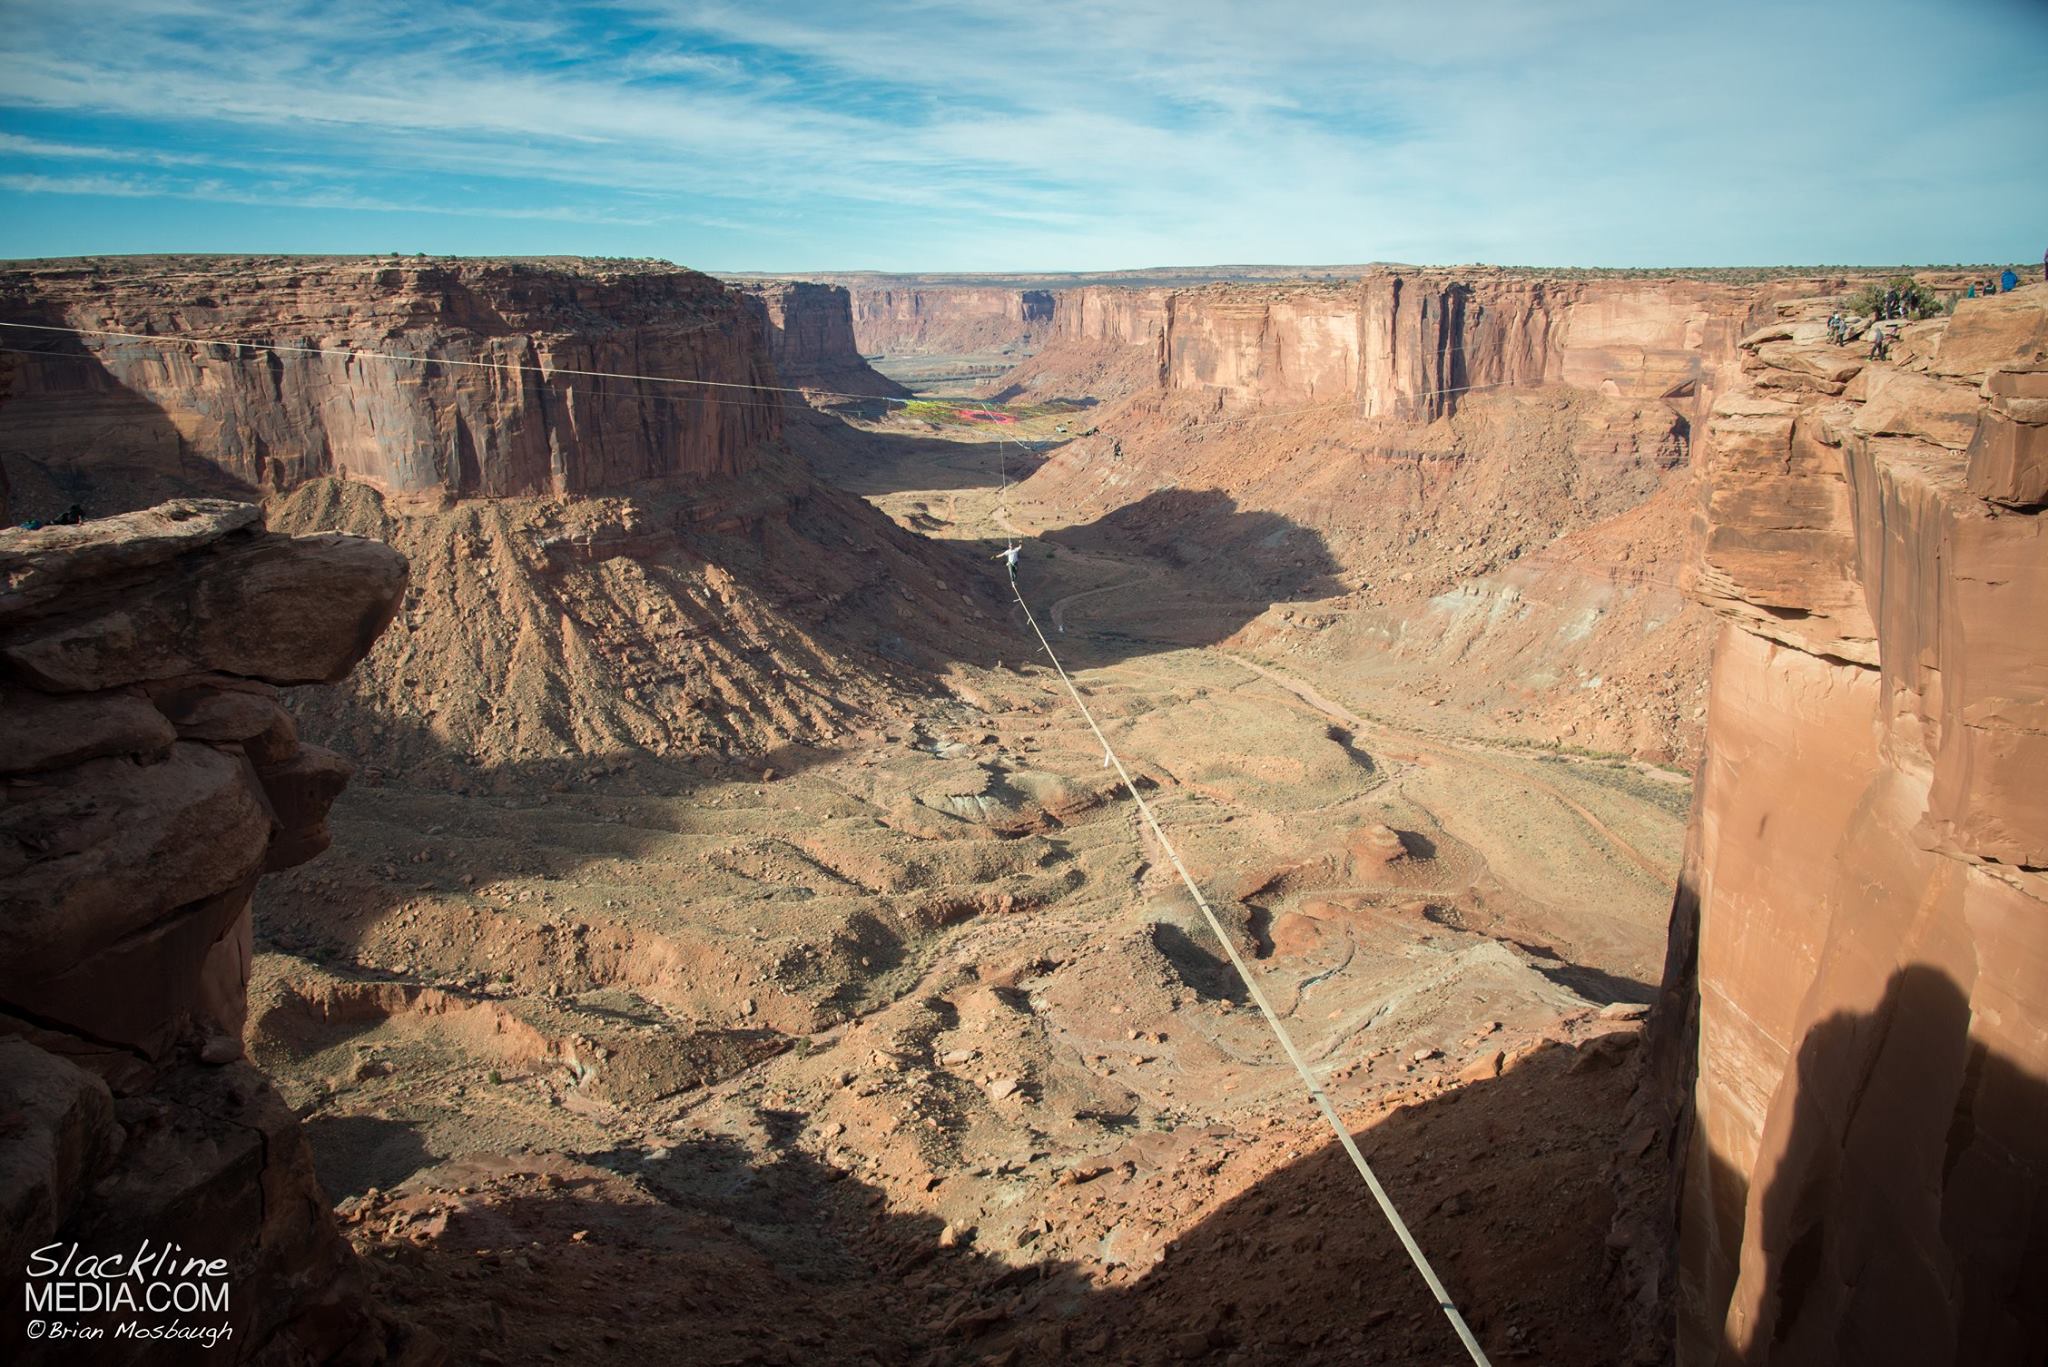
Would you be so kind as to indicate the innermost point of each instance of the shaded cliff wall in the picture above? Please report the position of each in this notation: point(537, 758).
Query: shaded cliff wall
point(152, 777)
point(949, 320)
point(1858, 997)
point(809, 330)
point(6, 389)
point(97, 414)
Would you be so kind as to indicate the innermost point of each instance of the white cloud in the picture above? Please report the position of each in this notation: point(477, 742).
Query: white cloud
point(950, 133)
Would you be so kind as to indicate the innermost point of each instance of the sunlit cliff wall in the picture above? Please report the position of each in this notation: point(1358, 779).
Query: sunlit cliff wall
point(948, 320)
point(1859, 974)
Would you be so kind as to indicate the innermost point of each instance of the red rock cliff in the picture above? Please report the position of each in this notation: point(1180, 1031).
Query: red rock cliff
point(949, 320)
point(1861, 935)
point(810, 338)
point(152, 777)
point(144, 415)
point(1406, 345)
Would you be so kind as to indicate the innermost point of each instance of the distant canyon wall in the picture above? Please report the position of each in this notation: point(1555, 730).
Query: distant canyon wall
point(809, 329)
point(1860, 943)
point(481, 403)
point(1407, 346)
point(949, 320)
point(1402, 345)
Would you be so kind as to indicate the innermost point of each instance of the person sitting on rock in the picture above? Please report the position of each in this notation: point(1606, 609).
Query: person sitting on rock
point(2008, 281)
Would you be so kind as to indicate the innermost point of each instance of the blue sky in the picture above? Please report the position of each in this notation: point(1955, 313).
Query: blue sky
point(1049, 134)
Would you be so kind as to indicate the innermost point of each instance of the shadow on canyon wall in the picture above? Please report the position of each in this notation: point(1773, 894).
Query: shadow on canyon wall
point(1504, 1183)
point(71, 432)
point(1905, 1218)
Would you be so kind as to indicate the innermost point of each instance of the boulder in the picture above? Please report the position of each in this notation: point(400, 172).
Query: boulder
point(57, 1133)
point(100, 851)
point(2009, 454)
point(1901, 403)
point(153, 778)
point(301, 789)
point(219, 708)
point(41, 732)
point(289, 610)
point(41, 566)
point(1996, 332)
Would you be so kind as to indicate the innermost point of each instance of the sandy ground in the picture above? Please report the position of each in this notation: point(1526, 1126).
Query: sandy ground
point(911, 1047)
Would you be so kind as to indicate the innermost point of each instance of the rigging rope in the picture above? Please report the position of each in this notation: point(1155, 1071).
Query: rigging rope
point(1315, 1089)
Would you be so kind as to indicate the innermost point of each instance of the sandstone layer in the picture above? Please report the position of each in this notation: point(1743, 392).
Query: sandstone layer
point(153, 776)
point(1860, 943)
point(809, 329)
point(896, 321)
point(452, 378)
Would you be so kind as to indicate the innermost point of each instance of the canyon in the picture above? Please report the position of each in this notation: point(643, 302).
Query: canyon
point(1602, 711)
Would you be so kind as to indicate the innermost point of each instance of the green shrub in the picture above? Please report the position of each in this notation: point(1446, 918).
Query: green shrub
point(1921, 302)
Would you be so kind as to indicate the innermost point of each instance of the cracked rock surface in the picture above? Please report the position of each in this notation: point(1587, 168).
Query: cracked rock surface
point(148, 778)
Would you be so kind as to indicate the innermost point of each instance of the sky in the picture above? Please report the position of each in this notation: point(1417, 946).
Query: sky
point(1011, 135)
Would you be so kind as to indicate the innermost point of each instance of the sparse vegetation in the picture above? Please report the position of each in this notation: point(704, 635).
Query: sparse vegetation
point(1917, 299)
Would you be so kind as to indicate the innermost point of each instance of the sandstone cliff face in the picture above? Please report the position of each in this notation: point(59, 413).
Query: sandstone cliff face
point(1110, 315)
point(152, 777)
point(481, 404)
point(1861, 935)
point(809, 329)
point(949, 320)
point(1407, 345)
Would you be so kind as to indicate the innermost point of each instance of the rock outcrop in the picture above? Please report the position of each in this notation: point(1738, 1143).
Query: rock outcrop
point(152, 776)
point(1857, 1003)
point(809, 329)
point(504, 384)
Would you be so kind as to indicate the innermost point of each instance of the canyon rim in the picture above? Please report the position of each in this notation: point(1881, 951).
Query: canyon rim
point(568, 799)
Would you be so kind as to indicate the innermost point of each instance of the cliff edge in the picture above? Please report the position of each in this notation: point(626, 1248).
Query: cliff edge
point(1856, 1008)
point(486, 378)
point(152, 776)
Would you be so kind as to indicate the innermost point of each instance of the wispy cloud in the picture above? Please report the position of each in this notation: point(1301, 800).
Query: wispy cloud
point(951, 134)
